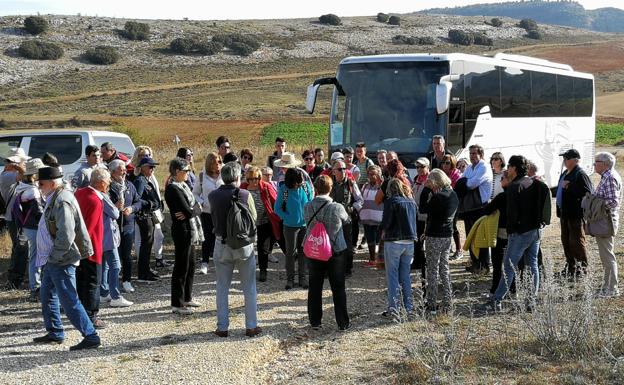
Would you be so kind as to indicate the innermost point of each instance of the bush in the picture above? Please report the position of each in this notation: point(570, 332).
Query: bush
point(223, 38)
point(394, 20)
point(40, 50)
point(35, 25)
point(330, 19)
point(528, 24)
point(241, 49)
point(426, 40)
point(4, 123)
point(102, 55)
point(208, 47)
point(535, 34)
point(482, 39)
point(136, 31)
point(460, 37)
point(382, 17)
point(408, 40)
point(182, 45)
point(496, 22)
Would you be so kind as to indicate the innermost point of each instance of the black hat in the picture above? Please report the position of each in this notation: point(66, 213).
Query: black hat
point(147, 161)
point(570, 154)
point(49, 173)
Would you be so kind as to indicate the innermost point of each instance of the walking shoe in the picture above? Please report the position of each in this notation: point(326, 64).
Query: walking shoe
point(204, 268)
point(263, 276)
point(495, 305)
point(458, 255)
point(149, 278)
point(303, 283)
point(181, 310)
point(253, 332)
point(86, 344)
point(290, 285)
point(126, 287)
point(161, 263)
point(47, 339)
point(106, 298)
point(221, 333)
point(99, 324)
point(273, 258)
point(192, 303)
point(120, 302)
point(34, 296)
point(344, 328)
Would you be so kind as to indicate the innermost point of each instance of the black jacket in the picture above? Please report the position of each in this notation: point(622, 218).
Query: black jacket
point(528, 205)
point(572, 195)
point(177, 202)
point(440, 210)
point(433, 162)
point(149, 197)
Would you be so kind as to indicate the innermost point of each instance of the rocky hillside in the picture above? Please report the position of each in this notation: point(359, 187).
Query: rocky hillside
point(293, 38)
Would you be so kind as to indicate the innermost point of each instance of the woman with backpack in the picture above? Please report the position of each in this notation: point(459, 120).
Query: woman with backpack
point(292, 195)
point(268, 224)
point(331, 215)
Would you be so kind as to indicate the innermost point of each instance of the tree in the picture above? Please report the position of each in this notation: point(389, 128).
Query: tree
point(394, 20)
point(40, 50)
point(382, 17)
point(482, 39)
point(535, 34)
point(134, 30)
point(528, 24)
point(496, 22)
point(460, 37)
point(330, 19)
point(35, 25)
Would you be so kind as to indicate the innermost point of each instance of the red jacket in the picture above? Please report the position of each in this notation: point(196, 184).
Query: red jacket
point(268, 194)
point(123, 158)
point(92, 211)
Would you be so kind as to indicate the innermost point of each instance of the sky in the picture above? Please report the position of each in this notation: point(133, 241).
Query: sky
point(238, 9)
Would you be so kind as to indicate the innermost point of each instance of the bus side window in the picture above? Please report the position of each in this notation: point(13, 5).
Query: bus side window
point(455, 131)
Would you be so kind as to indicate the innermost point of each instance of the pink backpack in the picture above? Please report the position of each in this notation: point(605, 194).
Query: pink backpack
point(317, 245)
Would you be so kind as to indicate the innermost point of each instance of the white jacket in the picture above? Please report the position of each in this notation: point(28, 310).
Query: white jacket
point(204, 185)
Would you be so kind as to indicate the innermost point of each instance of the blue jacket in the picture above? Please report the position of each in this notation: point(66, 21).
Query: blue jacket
point(295, 201)
point(399, 219)
point(131, 199)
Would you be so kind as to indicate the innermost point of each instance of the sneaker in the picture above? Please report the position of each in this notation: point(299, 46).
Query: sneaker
point(344, 328)
point(316, 327)
point(496, 306)
point(161, 263)
point(86, 344)
point(221, 333)
point(263, 276)
point(192, 303)
point(289, 285)
point(181, 310)
point(106, 298)
point(126, 287)
point(253, 332)
point(120, 302)
point(458, 255)
point(204, 268)
point(273, 258)
point(47, 339)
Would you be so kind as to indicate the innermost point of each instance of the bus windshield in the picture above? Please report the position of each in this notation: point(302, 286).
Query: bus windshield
point(388, 105)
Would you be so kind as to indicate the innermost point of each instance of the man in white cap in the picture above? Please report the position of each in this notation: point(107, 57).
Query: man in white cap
point(335, 157)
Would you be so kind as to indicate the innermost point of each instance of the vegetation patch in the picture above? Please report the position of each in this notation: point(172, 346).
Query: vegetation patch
point(35, 25)
point(330, 19)
point(102, 54)
point(40, 50)
point(610, 133)
point(134, 30)
point(302, 133)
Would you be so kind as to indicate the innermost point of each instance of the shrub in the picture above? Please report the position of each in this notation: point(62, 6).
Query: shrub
point(482, 39)
point(40, 50)
point(102, 55)
point(426, 40)
point(136, 31)
point(394, 20)
point(330, 19)
point(241, 49)
point(223, 38)
point(4, 123)
point(208, 47)
point(535, 34)
point(382, 17)
point(528, 24)
point(496, 22)
point(460, 37)
point(182, 45)
point(35, 25)
point(408, 40)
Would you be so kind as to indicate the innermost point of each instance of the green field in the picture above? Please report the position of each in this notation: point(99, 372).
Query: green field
point(302, 133)
point(611, 134)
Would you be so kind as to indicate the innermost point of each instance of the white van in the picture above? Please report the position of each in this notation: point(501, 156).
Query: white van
point(67, 145)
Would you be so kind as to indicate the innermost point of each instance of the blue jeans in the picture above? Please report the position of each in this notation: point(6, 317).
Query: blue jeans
point(58, 286)
point(225, 260)
point(398, 262)
point(34, 273)
point(111, 265)
point(517, 245)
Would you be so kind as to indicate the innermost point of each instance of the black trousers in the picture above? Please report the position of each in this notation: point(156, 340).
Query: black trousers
point(348, 253)
point(183, 268)
point(146, 229)
point(125, 254)
point(481, 261)
point(265, 244)
point(355, 228)
point(419, 249)
point(498, 253)
point(335, 270)
point(209, 237)
point(19, 256)
point(88, 280)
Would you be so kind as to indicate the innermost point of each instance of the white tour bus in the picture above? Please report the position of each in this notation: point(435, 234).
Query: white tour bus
point(513, 104)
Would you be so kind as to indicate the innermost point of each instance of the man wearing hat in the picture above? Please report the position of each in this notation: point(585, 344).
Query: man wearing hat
point(335, 157)
point(63, 241)
point(573, 185)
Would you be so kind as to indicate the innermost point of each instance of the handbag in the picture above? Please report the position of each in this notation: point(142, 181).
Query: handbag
point(317, 244)
point(158, 217)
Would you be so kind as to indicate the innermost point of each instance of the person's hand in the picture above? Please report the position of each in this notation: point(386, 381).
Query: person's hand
point(127, 211)
point(565, 183)
point(119, 204)
point(180, 216)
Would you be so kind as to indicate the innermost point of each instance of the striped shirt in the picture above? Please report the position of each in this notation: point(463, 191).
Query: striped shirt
point(610, 189)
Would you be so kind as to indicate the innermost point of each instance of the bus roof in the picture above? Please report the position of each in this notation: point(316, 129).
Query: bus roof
point(500, 59)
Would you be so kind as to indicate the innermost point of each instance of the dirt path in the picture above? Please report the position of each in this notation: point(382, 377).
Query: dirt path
point(610, 105)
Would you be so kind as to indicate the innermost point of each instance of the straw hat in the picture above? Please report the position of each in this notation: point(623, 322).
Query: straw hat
point(17, 155)
point(288, 160)
point(33, 166)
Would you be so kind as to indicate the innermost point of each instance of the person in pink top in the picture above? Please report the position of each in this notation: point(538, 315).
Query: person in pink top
point(449, 166)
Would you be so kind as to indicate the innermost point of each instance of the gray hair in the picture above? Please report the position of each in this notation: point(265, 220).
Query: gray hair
point(440, 137)
point(98, 175)
point(606, 157)
point(533, 167)
point(341, 163)
point(374, 168)
point(108, 146)
point(439, 179)
point(231, 172)
point(116, 164)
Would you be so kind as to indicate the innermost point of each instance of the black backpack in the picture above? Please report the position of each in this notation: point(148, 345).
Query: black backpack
point(240, 229)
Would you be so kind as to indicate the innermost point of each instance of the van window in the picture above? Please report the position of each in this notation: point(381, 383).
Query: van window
point(67, 148)
point(6, 144)
point(121, 144)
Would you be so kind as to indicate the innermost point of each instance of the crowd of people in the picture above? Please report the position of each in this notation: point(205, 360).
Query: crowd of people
point(74, 239)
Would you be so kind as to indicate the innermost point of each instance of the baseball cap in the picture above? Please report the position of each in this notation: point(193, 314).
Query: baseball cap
point(571, 154)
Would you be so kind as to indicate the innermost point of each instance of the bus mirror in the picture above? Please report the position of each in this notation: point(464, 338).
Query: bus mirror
point(311, 97)
point(443, 97)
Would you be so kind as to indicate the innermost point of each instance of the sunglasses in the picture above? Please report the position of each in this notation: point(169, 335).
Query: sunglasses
point(339, 169)
point(491, 159)
point(246, 157)
point(308, 159)
point(152, 167)
point(447, 162)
